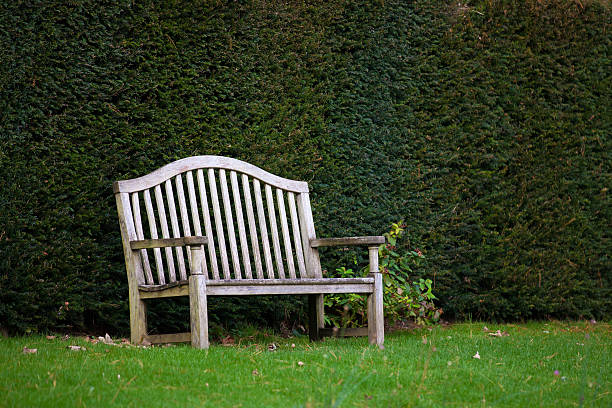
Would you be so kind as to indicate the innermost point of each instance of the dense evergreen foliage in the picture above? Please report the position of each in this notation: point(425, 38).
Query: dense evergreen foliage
point(484, 125)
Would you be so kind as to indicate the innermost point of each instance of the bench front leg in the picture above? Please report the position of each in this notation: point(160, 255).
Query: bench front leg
point(197, 301)
point(376, 323)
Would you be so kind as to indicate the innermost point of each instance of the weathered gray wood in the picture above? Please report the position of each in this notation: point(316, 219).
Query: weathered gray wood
point(347, 241)
point(195, 217)
point(161, 211)
point(229, 222)
point(176, 233)
point(302, 232)
point(343, 332)
point(170, 242)
point(248, 203)
point(133, 266)
point(263, 229)
point(140, 235)
point(214, 288)
point(244, 245)
point(274, 229)
point(197, 301)
point(282, 214)
point(376, 324)
point(203, 162)
point(208, 225)
point(169, 338)
point(159, 265)
point(262, 282)
point(311, 255)
point(180, 192)
point(218, 223)
point(297, 239)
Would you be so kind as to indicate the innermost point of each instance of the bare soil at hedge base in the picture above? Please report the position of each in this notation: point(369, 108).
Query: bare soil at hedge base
point(485, 127)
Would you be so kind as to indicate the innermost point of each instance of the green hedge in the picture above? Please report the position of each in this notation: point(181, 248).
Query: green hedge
point(485, 126)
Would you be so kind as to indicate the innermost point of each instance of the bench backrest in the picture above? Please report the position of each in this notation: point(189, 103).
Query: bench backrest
point(258, 225)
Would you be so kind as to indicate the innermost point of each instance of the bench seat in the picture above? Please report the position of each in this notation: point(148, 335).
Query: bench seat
point(244, 287)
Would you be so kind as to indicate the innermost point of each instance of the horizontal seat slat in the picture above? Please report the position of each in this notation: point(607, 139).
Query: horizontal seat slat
point(264, 287)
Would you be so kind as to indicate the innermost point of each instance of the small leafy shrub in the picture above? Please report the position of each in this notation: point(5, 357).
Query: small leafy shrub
point(403, 300)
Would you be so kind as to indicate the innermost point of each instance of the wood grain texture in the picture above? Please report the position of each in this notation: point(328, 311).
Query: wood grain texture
point(144, 256)
point(168, 338)
point(376, 324)
point(180, 193)
point(176, 232)
point(170, 242)
point(159, 265)
point(347, 241)
point(282, 214)
point(195, 216)
point(274, 230)
point(311, 255)
point(204, 162)
point(297, 237)
point(263, 229)
point(214, 197)
point(248, 203)
point(161, 211)
point(212, 253)
point(138, 320)
point(229, 222)
point(198, 312)
point(244, 244)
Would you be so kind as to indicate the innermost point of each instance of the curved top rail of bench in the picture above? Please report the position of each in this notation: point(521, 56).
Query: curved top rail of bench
point(206, 162)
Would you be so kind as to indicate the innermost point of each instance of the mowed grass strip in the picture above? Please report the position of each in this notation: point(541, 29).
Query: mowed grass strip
point(535, 364)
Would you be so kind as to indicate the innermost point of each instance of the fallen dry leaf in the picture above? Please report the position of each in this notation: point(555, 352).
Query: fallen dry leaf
point(29, 350)
point(476, 356)
point(50, 337)
point(145, 343)
point(485, 329)
point(424, 339)
point(255, 372)
point(76, 348)
point(228, 340)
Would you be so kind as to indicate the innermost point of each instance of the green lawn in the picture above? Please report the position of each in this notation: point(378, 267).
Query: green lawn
point(537, 364)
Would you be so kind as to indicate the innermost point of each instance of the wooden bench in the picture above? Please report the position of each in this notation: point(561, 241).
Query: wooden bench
point(250, 235)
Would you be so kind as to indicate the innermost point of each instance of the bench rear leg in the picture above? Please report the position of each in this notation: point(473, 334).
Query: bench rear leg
point(315, 316)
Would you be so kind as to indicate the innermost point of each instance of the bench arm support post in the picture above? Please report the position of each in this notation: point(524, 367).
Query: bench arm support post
point(376, 323)
point(197, 300)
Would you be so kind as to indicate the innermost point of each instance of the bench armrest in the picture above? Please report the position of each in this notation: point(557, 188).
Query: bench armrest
point(348, 241)
point(169, 242)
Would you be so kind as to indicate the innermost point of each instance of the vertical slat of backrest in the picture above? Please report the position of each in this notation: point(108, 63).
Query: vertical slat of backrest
point(212, 253)
point(248, 203)
point(176, 232)
point(282, 214)
point(297, 237)
point(159, 266)
point(263, 229)
point(244, 246)
point(140, 235)
point(180, 192)
point(274, 230)
point(218, 225)
point(195, 217)
point(229, 221)
point(128, 233)
point(161, 211)
point(311, 255)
